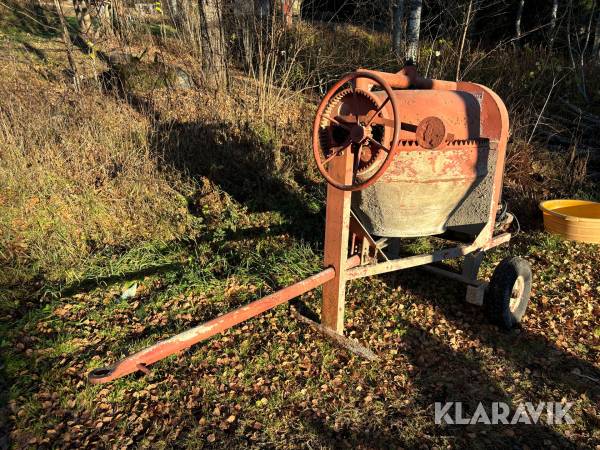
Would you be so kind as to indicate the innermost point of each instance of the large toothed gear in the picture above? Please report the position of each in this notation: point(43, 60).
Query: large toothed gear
point(348, 106)
point(352, 125)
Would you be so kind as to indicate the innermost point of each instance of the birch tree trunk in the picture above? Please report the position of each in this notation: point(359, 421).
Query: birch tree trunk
point(518, 18)
point(588, 33)
point(553, 15)
point(84, 19)
point(413, 29)
point(214, 58)
point(104, 13)
point(398, 15)
point(583, 53)
point(553, 19)
point(263, 9)
point(173, 6)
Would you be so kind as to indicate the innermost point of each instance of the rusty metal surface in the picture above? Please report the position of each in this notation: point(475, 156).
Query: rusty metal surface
point(408, 77)
point(425, 188)
point(421, 189)
point(355, 130)
point(495, 127)
point(142, 359)
point(362, 243)
point(419, 260)
point(459, 111)
point(412, 176)
point(337, 229)
point(431, 132)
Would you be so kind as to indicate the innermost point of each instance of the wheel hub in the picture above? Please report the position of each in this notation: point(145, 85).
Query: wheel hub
point(358, 133)
point(517, 293)
point(350, 109)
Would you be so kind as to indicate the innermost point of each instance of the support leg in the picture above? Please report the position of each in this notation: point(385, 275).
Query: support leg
point(470, 270)
point(471, 264)
point(337, 223)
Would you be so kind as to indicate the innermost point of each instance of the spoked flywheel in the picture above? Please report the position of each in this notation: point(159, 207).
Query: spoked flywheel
point(350, 119)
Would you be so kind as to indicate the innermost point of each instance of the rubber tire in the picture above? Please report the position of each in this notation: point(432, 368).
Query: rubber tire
point(497, 298)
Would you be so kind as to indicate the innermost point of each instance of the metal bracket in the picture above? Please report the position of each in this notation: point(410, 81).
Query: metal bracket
point(370, 249)
point(471, 264)
point(475, 294)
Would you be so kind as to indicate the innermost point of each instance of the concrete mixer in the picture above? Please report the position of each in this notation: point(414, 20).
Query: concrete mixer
point(403, 157)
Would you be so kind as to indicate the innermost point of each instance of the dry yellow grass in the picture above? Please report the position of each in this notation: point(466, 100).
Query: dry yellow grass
point(77, 174)
point(82, 173)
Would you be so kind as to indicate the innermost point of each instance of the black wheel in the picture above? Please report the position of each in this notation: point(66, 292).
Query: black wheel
point(508, 292)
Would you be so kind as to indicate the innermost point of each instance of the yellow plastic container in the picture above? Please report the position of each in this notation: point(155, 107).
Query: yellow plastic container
point(577, 220)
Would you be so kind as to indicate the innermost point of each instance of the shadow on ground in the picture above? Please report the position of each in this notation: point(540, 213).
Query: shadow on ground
point(244, 164)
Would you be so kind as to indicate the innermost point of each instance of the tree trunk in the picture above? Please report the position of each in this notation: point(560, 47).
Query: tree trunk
point(553, 15)
point(173, 6)
point(84, 19)
point(104, 11)
point(214, 58)
point(398, 14)
point(518, 18)
point(190, 24)
point(68, 44)
point(287, 12)
point(118, 18)
point(596, 45)
point(464, 38)
point(553, 19)
point(263, 9)
point(583, 52)
point(413, 29)
point(588, 33)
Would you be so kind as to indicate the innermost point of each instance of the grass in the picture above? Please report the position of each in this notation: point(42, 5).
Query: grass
point(77, 177)
point(204, 204)
point(278, 379)
point(20, 23)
